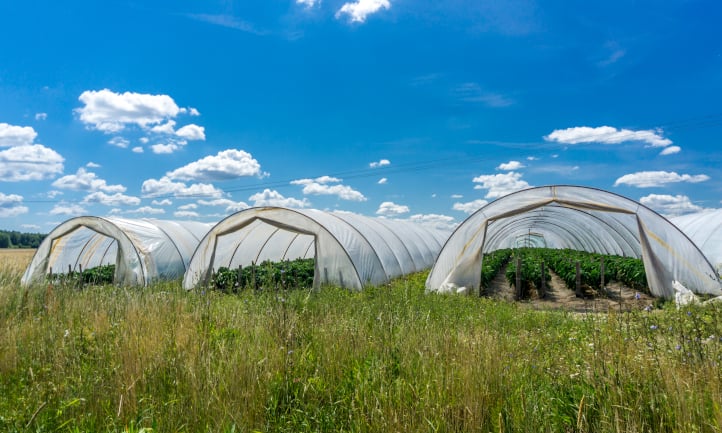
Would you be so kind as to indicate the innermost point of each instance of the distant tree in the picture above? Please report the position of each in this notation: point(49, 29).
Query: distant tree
point(4, 240)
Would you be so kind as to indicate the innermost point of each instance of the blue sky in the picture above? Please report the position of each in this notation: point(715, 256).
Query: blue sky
point(420, 110)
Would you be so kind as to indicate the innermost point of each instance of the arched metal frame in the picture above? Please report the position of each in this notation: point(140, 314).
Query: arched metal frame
point(350, 250)
point(580, 218)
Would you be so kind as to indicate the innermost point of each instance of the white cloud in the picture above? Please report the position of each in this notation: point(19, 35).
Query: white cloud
point(30, 226)
point(165, 186)
point(54, 193)
point(68, 209)
point(84, 180)
point(11, 135)
point(389, 208)
point(471, 206)
point(274, 198)
point(226, 165)
point(164, 128)
point(531, 158)
point(119, 142)
point(380, 163)
point(191, 132)
point(41, 116)
point(167, 148)
point(185, 214)
point(109, 112)
point(193, 112)
point(436, 221)
point(319, 186)
point(231, 206)
point(116, 199)
point(359, 10)
point(308, 3)
point(92, 164)
point(188, 206)
point(144, 140)
point(510, 166)
point(499, 185)
point(137, 149)
point(647, 179)
point(671, 205)
point(670, 150)
point(11, 205)
point(146, 210)
point(382, 181)
point(607, 135)
point(164, 202)
point(29, 162)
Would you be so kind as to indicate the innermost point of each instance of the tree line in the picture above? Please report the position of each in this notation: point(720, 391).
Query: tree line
point(13, 239)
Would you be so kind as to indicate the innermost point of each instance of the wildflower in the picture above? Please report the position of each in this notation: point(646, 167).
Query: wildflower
point(653, 327)
point(67, 333)
point(648, 308)
point(637, 296)
point(678, 347)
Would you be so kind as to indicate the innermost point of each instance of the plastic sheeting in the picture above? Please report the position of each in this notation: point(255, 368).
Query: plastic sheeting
point(143, 250)
point(705, 230)
point(350, 250)
point(579, 218)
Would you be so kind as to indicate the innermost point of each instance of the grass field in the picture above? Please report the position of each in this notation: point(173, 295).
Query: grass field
point(392, 358)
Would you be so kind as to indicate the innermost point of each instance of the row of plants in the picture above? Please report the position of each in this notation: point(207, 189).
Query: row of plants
point(531, 273)
point(625, 270)
point(98, 275)
point(491, 264)
point(285, 275)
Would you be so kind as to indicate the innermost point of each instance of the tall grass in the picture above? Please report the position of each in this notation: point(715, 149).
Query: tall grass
point(389, 358)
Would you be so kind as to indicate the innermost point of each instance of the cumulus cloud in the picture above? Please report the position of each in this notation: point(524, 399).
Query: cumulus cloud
point(116, 199)
point(436, 221)
point(84, 180)
point(164, 202)
point(380, 163)
point(11, 205)
point(111, 112)
point(471, 206)
point(499, 185)
point(41, 116)
point(358, 11)
point(647, 179)
point(92, 164)
point(167, 187)
point(389, 208)
point(671, 205)
point(308, 3)
point(320, 186)
point(164, 128)
point(11, 135)
point(188, 206)
point(137, 149)
point(670, 150)
point(510, 166)
point(231, 206)
point(146, 210)
point(227, 164)
point(274, 198)
point(167, 148)
point(29, 162)
point(119, 142)
point(185, 214)
point(607, 135)
point(191, 132)
point(68, 209)
point(382, 181)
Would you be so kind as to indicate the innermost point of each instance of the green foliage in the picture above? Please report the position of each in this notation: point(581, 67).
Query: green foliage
point(531, 271)
point(491, 264)
point(14, 239)
point(291, 274)
point(390, 358)
point(99, 275)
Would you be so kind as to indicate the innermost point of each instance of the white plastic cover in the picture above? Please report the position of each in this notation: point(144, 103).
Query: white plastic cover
point(578, 218)
point(705, 230)
point(142, 250)
point(350, 250)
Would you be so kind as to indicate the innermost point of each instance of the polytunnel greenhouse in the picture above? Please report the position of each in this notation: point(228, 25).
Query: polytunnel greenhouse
point(142, 250)
point(578, 218)
point(349, 250)
point(705, 230)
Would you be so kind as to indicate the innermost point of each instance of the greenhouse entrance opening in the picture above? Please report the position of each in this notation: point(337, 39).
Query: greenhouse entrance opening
point(264, 255)
point(575, 218)
point(95, 259)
